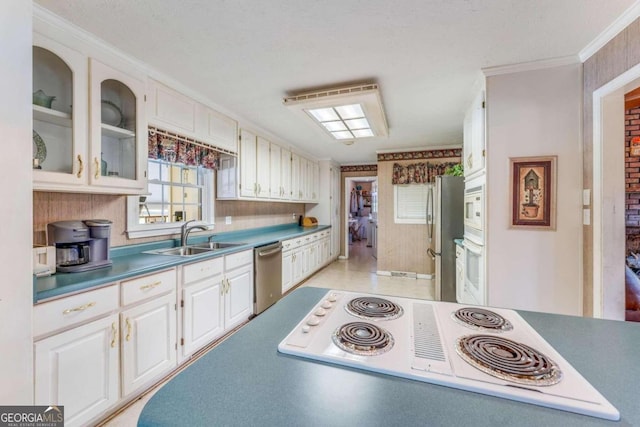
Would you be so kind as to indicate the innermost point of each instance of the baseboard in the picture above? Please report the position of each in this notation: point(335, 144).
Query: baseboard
point(426, 276)
point(418, 276)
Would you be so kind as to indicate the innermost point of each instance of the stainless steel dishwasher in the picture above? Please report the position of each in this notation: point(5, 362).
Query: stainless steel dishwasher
point(268, 276)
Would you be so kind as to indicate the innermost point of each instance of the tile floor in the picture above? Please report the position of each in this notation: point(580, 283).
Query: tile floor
point(357, 274)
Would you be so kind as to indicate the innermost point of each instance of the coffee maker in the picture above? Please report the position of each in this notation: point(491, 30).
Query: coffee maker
point(80, 245)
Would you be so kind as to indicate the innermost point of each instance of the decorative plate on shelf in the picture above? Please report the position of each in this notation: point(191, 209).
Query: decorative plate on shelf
point(39, 148)
point(111, 114)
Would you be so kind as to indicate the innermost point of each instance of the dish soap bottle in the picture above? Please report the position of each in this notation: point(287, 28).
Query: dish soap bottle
point(103, 165)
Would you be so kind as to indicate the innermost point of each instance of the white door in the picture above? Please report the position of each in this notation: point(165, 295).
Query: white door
point(202, 315)
point(248, 183)
point(238, 298)
point(79, 369)
point(148, 341)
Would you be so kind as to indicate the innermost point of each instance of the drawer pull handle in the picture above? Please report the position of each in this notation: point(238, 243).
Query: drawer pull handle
point(128, 337)
point(114, 334)
point(81, 308)
point(150, 285)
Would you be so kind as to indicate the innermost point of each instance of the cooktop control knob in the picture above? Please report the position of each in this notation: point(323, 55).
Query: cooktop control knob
point(327, 304)
point(332, 298)
point(305, 328)
point(320, 312)
point(313, 321)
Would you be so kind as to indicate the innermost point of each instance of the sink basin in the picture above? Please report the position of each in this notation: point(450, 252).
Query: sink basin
point(194, 249)
point(212, 246)
point(181, 251)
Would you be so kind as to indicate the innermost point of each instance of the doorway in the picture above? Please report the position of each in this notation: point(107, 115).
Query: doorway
point(360, 216)
point(609, 195)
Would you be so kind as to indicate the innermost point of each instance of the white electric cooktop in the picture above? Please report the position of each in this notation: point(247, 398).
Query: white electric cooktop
point(481, 349)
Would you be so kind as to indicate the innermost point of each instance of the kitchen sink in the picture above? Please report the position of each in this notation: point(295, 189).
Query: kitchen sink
point(215, 245)
point(192, 250)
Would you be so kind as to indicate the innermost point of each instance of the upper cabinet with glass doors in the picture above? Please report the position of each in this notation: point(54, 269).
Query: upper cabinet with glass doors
point(86, 140)
point(118, 129)
point(60, 107)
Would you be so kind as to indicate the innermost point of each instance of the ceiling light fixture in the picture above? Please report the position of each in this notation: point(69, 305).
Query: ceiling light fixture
point(344, 113)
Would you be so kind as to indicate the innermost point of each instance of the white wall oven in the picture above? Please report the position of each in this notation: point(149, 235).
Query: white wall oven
point(474, 213)
point(474, 286)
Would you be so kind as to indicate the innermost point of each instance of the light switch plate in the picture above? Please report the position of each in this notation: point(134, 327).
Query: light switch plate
point(227, 220)
point(586, 197)
point(586, 216)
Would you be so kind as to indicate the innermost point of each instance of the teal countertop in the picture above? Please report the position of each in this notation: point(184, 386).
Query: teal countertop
point(129, 261)
point(459, 242)
point(244, 381)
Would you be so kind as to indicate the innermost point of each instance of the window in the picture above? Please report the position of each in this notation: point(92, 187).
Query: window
point(410, 203)
point(177, 193)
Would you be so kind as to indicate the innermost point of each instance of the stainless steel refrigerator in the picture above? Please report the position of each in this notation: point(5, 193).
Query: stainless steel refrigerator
point(445, 222)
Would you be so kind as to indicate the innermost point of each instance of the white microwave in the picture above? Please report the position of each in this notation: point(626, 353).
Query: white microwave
point(473, 214)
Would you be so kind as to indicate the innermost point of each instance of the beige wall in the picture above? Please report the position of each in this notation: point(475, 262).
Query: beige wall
point(535, 113)
point(401, 247)
point(616, 57)
point(50, 207)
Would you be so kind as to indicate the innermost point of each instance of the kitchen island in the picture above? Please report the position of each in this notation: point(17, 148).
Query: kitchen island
point(245, 381)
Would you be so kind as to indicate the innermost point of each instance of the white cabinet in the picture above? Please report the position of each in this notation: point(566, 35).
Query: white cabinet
point(118, 130)
point(275, 167)
point(148, 342)
point(60, 127)
point(303, 256)
point(327, 209)
point(296, 193)
point(285, 173)
point(262, 168)
point(238, 295)
point(217, 295)
point(79, 369)
point(175, 112)
point(287, 270)
point(171, 110)
point(474, 136)
point(248, 156)
point(202, 306)
point(227, 181)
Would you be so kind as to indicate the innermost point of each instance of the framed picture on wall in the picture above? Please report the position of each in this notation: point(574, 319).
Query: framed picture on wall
point(533, 192)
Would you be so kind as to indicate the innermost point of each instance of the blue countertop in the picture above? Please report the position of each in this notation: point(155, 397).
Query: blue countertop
point(130, 261)
point(245, 381)
point(459, 242)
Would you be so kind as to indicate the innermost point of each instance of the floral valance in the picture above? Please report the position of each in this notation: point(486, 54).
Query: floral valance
point(175, 149)
point(418, 173)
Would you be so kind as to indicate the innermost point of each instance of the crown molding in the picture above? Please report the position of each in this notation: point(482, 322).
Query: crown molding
point(531, 66)
point(622, 22)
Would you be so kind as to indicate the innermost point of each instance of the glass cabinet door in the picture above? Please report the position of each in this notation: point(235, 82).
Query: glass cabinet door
point(118, 129)
point(59, 115)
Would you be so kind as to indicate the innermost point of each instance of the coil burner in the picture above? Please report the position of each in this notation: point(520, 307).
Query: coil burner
point(508, 360)
point(372, 308)
point(481, 319)
point(363, 339)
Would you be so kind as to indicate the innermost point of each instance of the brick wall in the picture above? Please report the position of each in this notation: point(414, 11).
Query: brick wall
point(632, 180)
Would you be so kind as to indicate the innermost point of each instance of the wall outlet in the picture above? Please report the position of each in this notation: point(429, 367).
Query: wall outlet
point(227, 220)
point(293, 215)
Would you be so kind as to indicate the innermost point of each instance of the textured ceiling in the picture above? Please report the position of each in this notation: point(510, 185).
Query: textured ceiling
point(425, 54)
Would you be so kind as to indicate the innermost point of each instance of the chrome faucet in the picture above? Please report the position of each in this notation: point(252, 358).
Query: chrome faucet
point(185, 230)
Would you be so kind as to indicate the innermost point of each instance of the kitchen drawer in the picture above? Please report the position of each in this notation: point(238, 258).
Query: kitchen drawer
point(141, 288)
point(200, 270)
point(236, 260)
point(75, 309)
